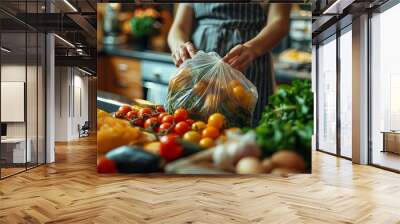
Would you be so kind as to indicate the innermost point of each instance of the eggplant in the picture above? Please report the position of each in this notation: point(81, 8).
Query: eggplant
point(133, 159)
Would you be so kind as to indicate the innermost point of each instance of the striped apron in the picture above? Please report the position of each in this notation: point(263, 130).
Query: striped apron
point(221, 26)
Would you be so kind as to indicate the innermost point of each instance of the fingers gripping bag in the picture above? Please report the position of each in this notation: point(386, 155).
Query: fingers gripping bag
point(205, 84)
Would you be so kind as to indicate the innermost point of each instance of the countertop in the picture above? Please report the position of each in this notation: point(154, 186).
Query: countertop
point(133, 52)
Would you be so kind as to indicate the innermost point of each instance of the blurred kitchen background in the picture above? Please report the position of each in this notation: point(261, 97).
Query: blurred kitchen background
point(134, 60)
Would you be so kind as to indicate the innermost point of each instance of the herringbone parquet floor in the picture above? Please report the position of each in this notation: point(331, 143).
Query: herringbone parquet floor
point(70, 191)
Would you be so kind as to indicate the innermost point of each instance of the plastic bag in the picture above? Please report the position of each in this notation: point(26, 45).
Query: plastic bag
point(205, 85)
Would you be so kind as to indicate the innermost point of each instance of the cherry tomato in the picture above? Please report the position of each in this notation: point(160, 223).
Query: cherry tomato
point(190, 122)
point(125, 109)
point(170, 149)
point(181, 128)
point(160, 109)
point(181, 115)
point(144, 112)
point(165, 126)
point(239, 92)
point(119, 114)
point(198, 126)
point(168, 118)
point(106, 166)
point(192, 136)
point(151, 123)
point(137, 122)
point(131, 114)
point(160, 116)
point(216, 120)
point(234, 83)
point(206, 142)
point(210, 132)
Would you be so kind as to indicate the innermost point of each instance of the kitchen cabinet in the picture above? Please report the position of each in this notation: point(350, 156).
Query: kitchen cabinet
point(136, 75)
point(121, 76)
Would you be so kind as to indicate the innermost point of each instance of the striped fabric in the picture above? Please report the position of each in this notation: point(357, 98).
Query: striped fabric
point(221, 26)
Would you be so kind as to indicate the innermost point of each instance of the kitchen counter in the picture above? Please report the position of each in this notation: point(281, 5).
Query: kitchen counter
point(134, 52)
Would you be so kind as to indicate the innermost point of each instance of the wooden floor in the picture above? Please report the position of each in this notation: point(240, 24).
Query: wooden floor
point(70, 191)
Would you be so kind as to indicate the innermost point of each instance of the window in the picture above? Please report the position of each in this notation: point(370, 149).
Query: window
point(327, 96)
point(385, 89)
point(346, 93)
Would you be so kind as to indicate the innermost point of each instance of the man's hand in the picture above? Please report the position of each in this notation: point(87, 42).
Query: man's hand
point(183, 52)
point(240, 57)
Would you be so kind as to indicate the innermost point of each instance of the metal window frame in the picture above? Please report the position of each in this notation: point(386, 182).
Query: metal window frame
point(339, 32)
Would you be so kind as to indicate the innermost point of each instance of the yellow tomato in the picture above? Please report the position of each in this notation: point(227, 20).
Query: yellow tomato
point(206, 142)
point(239, 92)
point(216, 120)
point(248, 100)
point(200, 87)
point(192, 136)
point(198, 126)
point(234, 83)
point(210, 132)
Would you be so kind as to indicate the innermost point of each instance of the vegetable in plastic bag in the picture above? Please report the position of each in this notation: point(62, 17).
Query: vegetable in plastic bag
point(206, 84)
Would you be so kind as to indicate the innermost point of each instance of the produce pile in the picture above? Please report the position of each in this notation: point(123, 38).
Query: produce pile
point(205, 85)
point(281, 143)
point(153, 135)
point(141, 139)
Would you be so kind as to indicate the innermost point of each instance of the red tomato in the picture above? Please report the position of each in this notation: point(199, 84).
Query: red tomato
point(106, 166)
point(137, 122)
point(165, 126)
point(131, 114)
point(181, 115)
point(160, 109)
point(160, 116)
point(182, 127)
point(170, 149)
point(144, 112)
point(190, 121)
point(168, 118)
point(124, 109)
point(119, 114)
point(151, 123)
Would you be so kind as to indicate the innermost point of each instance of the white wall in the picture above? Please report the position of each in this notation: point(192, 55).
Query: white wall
point(69, 85)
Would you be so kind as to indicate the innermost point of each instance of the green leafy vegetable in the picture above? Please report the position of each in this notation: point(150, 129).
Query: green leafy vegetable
point(287, 121)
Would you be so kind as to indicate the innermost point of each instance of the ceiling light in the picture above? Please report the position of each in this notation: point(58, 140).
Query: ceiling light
point(337, 7)
point(70, 5)
point(65, 41)
point(5, 50)
point(84, 71)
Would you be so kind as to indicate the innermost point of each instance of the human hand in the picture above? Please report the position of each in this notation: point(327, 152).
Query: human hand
point(183, 52)
point(240, 57)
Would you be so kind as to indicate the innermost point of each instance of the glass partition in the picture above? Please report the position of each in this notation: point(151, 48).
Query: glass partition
point(385, 89)
point(22, 90)
point(327, 96)
point(15, 152)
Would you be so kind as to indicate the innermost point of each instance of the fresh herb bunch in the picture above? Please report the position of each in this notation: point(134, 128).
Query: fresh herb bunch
point(287, 121)
point(144, 26)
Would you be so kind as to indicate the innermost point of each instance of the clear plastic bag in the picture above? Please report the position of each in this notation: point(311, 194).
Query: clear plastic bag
point(205, 84)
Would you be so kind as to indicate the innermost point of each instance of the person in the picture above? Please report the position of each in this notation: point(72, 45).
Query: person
point(244, 34)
